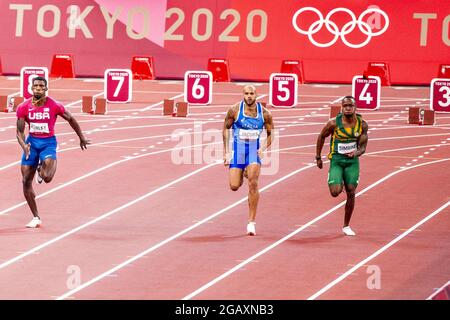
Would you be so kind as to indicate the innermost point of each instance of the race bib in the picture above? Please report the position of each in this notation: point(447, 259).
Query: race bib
point(345, 148)
point(39, 128)
point(248, 134)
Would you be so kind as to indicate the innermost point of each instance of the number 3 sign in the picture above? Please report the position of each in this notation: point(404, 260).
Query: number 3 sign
point(118, 85)
point(283, 90)
point(198, 87)
point(366, 92)
point(440, 95)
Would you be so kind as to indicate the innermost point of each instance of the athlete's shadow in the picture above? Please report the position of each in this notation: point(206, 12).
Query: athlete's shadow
point(214, 238)
point(317, 239)
point(17, 230)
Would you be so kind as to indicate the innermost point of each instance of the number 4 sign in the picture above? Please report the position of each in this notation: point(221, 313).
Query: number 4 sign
point(366, 92)
point(118, 85)
point(283, 90)
point(198, 87)
point(440, 95)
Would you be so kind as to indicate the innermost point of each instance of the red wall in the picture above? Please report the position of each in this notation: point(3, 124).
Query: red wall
point(413, 46)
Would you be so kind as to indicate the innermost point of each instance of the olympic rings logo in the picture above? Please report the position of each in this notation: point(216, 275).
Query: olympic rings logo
point(363, 26)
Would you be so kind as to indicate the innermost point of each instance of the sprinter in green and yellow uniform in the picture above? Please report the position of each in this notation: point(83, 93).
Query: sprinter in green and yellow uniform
point(348, 142)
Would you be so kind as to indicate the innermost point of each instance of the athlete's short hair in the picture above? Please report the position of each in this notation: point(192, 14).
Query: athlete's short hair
point(41, 79)
point(348, 97)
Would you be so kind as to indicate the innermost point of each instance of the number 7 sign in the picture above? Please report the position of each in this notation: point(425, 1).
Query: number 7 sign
point(118, 85)
point(283, 90)
point(366, 92)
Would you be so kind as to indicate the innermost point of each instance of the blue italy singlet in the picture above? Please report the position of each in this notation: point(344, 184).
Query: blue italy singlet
point(246, 133)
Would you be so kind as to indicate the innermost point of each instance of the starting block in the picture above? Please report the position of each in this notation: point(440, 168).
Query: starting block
point(93, 105)
point(143, 68)
point(168, 107)
point(16, 102)
point(219, 69)
point(181, 109)
point(420, 116)
point(334, 111)
point(444, 71)
point(5, 103)
point(62, 66)
point(10, 103)
point(293, 66)
point(379, 69)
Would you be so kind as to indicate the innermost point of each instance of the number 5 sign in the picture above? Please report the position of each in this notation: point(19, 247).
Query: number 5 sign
point(118, 85)
point(283, 90)
point(198, 87)
point(27, 74)
point(440, 95)
point(366, 92)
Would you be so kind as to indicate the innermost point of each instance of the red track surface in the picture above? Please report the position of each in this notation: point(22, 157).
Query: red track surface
point(139, 226)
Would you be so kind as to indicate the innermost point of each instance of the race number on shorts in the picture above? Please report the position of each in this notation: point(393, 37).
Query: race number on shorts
point(366, 92)
point(27, 74)
point(198, 87)
point(440, 95)
point(283, 90)
point(118, 85)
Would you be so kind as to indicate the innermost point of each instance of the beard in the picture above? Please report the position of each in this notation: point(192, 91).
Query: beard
point(249, 102)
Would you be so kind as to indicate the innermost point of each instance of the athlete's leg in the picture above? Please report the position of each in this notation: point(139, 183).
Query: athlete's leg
point(48, 159)
point(48, 169)
point(351, 180)
point(27, 182)
point(335, 178)
point(236, 178)
point(350, 204)
point(253, 171)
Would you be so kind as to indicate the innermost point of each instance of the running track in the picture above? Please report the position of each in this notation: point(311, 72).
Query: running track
point(133, 223)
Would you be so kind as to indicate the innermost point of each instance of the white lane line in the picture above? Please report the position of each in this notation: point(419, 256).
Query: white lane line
point(304, 226)
point(61, 186)
point(104, 216)
point(378, 252)
point(159, 103)
point(438, 290)
point(179, 234)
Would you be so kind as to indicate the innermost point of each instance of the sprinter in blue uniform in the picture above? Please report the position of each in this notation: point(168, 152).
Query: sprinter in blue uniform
point(248, 119)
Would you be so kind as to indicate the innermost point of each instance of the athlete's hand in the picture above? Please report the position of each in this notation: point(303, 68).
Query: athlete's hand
point(351, 154)
point(26, 150)
point(83, 143)
point(319, 163)
point(260, 154)
point(227, 158)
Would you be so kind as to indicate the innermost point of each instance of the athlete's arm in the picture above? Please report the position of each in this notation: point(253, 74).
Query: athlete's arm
point(268, 124)
point(20, 133)
point(362, 140)
point(326, 131)
point(76, 127)
point(228, 123)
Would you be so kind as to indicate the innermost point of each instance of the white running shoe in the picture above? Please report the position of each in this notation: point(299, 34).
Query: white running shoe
point(251, 229)
point(34, 223)
point(348, 231)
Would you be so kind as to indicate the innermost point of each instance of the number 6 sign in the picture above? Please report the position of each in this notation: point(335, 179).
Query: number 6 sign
point(283, 90)
point(198, 87)
point(118, 85)
point(440, 95)
point(366, 92)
